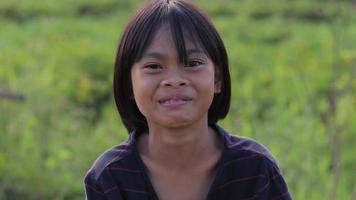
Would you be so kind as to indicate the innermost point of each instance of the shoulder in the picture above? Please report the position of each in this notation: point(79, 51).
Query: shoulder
point(248, 170)
point(239, 147)
point(246, 156)
point(121, 153)
point(108, 176)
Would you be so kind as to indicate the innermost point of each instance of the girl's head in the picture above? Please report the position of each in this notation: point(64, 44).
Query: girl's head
point(186, 22)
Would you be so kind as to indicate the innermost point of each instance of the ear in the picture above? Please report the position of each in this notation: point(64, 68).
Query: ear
point(217, 82)
point(217, 87)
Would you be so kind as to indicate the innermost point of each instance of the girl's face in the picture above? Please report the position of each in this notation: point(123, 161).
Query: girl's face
point(168, 93)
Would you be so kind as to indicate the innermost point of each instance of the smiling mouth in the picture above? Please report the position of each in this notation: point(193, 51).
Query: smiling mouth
point(174, 100)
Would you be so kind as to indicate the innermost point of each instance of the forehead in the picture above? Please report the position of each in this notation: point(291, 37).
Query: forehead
point(165, 34)
point(166, 39)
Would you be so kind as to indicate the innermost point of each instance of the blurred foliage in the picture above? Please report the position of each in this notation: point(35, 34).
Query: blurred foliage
point(293, 65)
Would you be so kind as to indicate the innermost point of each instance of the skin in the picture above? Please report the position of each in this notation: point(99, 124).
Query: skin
point(180, 151)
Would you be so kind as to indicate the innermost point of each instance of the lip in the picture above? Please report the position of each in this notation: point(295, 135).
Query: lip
point(174, 100)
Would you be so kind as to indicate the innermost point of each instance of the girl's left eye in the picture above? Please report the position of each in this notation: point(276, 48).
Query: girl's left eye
point(194, 63)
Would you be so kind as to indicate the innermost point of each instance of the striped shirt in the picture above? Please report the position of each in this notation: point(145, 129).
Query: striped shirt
point(246, 170)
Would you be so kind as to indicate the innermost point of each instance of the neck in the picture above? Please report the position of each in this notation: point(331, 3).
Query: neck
point(179, 147)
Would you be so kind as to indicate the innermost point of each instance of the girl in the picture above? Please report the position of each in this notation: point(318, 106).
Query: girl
point(171, 86)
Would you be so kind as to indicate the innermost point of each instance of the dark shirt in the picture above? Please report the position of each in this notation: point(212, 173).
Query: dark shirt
point(246, 170)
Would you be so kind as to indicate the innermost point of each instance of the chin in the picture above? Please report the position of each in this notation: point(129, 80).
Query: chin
point(176, 123)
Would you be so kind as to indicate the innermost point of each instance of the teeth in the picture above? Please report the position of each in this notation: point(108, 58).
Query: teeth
point(170, 101)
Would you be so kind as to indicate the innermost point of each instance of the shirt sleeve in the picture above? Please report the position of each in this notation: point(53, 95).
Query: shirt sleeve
point(276, 187)
point(92, 191)
point(101, 188)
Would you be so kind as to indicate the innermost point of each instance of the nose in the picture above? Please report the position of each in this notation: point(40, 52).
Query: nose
point(174, 78)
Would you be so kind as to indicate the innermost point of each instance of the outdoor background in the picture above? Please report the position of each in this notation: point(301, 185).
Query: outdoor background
point(293, 65)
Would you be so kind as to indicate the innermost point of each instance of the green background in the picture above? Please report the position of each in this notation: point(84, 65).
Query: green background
point(293, 65)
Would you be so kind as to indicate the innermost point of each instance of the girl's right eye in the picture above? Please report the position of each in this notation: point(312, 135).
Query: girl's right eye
point(152, 67)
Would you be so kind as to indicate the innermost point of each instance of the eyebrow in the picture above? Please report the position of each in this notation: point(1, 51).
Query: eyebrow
point(158, 55)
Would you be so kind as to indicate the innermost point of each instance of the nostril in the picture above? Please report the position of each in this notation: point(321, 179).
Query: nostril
point(175, 82)
point(167, 84)
point(183, 83)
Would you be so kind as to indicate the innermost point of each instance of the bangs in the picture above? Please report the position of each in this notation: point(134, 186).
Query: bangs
point(183, 27)
point(182, 31)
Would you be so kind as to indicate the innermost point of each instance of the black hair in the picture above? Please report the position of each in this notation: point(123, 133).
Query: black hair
point(182, 17)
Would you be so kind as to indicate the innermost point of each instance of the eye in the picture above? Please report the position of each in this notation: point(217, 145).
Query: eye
point(194, 63)
point(152, 66)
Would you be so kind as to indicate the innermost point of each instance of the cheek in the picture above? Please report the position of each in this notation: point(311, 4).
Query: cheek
point(140, 97)
point(137, 88)
point(143, 92)
point(142, 86)
point(207, 82)
point(210, 87)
